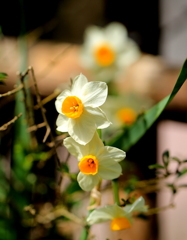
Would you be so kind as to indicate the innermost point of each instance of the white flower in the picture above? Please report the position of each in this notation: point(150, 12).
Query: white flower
point(96, 161)
point(78, 108)
point(107, 51)
point(121, 218)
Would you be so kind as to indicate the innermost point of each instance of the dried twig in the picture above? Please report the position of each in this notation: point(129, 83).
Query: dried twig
point(48, 98)
point(5, 126)
point(39, 101)
point(12, 91)
point(38, 98)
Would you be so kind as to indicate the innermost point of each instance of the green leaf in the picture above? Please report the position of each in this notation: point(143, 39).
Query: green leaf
point(3, 76)
point(153, 166)
point(181, 173)
point(131, 135)
point(176, 159)
point(165, 158)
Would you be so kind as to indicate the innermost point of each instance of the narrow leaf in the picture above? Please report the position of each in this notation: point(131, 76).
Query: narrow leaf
point(184, 171)
point(153, 166)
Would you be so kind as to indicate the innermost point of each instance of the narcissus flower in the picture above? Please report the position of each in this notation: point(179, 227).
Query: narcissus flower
point(107, 51)
point(96, 161)
point(78, 108)
point(121, 218)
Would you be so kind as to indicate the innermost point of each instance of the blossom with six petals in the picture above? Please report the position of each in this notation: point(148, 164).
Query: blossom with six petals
point(96, 161)
point(79, 109)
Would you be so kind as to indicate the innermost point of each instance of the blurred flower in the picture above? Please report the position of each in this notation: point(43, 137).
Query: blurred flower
point(96, 161)
point(123, 110)
point(78, 108)
point(108, 51)
point(121, 218)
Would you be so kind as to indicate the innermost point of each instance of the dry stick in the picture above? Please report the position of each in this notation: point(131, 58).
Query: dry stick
point(36, 127)
point(48, 129)
point(38, 98)
point(12, 91)
point(5, 126)
point(48, 98)
point(28, 111)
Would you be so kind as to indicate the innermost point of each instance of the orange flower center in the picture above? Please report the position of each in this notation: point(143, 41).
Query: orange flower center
point(72, 107)
point(120, 224)
point(127, 115)
point(104, 55)
point(88, 165)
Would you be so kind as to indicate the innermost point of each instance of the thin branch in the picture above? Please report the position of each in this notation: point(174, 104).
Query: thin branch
point(5, 126)
point(48, 129)
point(36, 127)
point(48, 98)
point(12, 91)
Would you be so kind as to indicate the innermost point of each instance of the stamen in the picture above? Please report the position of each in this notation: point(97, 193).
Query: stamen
point(104, 55)
point(72, 107)
point(88, 165)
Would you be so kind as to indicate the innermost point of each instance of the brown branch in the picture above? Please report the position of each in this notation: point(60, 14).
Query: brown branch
point(39, 101)
point(38, 98)
point(12, 91)
point(36, 127)
point(5, 126)
point(48, 98)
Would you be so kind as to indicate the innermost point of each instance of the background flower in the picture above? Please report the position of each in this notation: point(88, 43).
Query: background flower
point(123, 111)
point(96, 161)
point(78, 108)
point(108, 51)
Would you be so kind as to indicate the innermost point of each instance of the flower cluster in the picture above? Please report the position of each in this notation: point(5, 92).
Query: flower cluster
point(80, 115)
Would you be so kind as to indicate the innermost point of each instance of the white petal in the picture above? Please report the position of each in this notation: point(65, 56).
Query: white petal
point(64, 94)
point(94, 94)
point(60, 99)
point(129, 55)
point(94, 147)
point(62, 123)
point(74, 148)
point(112, 153)
point(100, 118)
point(87, 182)
point(78, 84)
point(83, 128)
point(110, 170)
point(116, 33)
point(93, 35)
point(138, 205)
point(101, 215)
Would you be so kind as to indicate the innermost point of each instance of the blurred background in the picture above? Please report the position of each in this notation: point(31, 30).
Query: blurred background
point(54, 33)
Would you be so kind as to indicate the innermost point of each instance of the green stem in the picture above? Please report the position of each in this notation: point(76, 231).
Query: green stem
point(115, 188)
point(84, 233)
